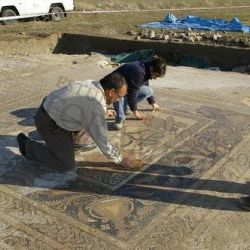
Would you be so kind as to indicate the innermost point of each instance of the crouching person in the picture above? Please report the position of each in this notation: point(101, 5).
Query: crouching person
point(64, 116)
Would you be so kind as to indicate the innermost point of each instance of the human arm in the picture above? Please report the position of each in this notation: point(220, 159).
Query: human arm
point(97, 129)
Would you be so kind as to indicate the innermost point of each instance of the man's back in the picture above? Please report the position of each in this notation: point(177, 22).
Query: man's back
point(71, 106)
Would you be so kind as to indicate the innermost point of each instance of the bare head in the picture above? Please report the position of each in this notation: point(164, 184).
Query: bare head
point(115, 87)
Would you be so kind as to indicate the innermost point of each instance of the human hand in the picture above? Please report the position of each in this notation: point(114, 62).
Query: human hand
point(156, 107)
point(139, 115)
point(110, 113)
point(129, 163)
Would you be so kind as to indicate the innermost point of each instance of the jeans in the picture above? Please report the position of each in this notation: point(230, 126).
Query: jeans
point(121, 106)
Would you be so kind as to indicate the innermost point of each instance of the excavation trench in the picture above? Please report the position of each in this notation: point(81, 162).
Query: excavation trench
point(218, 56)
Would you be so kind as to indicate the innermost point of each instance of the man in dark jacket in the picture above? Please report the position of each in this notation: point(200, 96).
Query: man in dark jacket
point(137, 75)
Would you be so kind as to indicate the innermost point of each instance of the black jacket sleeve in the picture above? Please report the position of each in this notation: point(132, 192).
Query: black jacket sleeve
point(132, 96)
point(151, 99)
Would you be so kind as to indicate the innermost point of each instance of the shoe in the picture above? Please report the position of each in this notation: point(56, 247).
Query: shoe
point(128, 112)
point(118, 125)
point(22, 140)
point(85, 147)
point(245, 202)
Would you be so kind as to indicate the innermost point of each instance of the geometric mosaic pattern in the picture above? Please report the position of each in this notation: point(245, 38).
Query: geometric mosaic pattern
point(159, 134)
point(129, 210)
point(194, 166)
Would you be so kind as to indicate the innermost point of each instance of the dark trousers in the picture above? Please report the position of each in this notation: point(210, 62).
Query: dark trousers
point(58, 152)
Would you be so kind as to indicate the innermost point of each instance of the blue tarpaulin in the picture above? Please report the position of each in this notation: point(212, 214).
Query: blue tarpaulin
point(198, 23)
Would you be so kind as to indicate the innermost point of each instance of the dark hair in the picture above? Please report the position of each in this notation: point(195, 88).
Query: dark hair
point(113, 81)
point(158, 65)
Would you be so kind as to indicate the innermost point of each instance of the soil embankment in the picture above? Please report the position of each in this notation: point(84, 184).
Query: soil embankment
point(224, 57)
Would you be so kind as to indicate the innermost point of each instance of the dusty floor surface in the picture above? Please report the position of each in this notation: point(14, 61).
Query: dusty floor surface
point(195, 159)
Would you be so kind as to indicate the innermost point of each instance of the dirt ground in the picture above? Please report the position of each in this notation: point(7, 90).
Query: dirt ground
point(39, 37)
point(148, 4)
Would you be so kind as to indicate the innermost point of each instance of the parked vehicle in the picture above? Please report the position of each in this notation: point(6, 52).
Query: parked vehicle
point(55, 10)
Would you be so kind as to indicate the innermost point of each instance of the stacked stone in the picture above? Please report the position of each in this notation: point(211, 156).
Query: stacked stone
point(190, 36)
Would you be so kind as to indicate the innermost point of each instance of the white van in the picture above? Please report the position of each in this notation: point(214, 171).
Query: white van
point(55, 8)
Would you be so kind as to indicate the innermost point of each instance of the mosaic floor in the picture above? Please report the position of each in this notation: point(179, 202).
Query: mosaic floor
point(179, 152)
point(194, 165)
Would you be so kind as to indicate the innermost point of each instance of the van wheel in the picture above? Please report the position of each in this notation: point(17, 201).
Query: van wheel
point(56, 14)
point(8, 13)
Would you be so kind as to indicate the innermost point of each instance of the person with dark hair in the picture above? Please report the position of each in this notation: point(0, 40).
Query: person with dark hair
point(66, 115)
point(137, 74)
